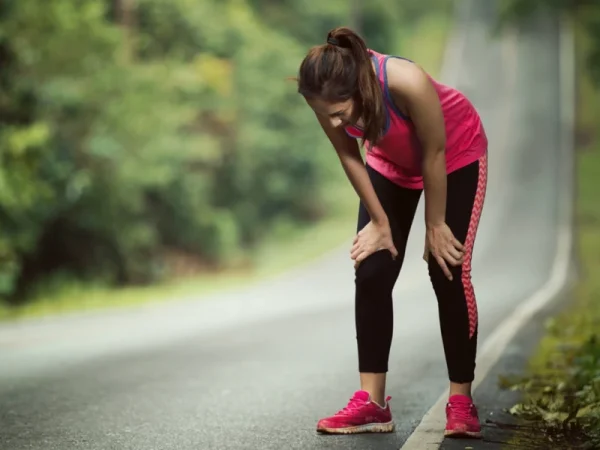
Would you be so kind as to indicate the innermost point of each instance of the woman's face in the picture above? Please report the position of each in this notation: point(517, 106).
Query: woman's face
point(339, 114)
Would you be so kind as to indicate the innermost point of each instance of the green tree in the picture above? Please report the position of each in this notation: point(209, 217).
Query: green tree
point(134, 130)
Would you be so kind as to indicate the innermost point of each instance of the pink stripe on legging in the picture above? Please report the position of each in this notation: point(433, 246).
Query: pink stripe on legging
point(471, 233)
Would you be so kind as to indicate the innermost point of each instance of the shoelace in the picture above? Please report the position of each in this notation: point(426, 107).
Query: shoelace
point(461, 411)
point(353, 405)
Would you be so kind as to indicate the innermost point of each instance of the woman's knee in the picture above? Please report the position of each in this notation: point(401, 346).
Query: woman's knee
point(378, 270)
point(437, 275)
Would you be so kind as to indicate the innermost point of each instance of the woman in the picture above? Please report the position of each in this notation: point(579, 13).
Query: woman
point(420, 135)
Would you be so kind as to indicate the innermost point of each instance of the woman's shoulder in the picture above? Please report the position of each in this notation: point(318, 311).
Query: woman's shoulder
point(403, 74)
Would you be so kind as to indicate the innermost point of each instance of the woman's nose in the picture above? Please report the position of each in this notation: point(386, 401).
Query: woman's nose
point(336, 122)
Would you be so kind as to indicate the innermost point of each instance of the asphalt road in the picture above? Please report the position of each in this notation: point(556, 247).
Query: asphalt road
point(256, 368)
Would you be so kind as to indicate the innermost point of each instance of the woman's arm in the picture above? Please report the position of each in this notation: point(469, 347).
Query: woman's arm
point(377, 234)
point(349, 154)
point(410, 86)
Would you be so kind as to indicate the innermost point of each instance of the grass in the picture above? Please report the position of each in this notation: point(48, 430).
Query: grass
point(562, 388)
point(289, 247)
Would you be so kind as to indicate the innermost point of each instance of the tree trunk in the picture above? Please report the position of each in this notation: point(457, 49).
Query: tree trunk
point(125, 17)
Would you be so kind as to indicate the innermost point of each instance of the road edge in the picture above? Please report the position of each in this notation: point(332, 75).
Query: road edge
point(428, 435)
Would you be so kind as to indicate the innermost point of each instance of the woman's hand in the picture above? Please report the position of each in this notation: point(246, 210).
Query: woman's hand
point(371, 239)
point(444, 247)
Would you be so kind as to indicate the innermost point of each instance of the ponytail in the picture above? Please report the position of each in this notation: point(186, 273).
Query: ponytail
point(340, 70)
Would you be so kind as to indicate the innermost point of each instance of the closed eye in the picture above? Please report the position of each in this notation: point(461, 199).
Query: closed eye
point(338, 113)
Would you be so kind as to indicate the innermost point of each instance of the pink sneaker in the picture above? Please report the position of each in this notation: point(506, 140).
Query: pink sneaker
point(361, 415)
point(462, 418)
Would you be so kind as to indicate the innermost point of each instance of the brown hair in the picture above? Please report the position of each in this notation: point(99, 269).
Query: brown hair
point(340, 70)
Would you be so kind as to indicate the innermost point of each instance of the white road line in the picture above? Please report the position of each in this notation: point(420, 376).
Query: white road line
point(429, 433)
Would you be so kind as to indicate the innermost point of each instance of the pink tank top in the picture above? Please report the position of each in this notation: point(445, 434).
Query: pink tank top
point(398, 154)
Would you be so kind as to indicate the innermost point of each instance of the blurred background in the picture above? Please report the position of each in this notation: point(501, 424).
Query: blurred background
point(155, 150)
point(155, 142)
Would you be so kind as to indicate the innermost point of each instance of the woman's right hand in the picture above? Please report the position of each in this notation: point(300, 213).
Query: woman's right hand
point(372, 238)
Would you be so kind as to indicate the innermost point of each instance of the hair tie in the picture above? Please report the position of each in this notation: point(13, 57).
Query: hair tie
point(333, 41)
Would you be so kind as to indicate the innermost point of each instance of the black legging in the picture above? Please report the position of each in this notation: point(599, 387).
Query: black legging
point(376, 275)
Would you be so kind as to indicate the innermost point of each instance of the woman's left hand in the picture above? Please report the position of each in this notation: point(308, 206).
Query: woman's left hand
point(444, 247)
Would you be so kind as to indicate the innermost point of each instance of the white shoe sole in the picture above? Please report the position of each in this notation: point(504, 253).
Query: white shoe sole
point(368, 428)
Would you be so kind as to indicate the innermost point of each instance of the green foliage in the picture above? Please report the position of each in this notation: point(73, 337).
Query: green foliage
point(563, 397)
point(131, 135)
